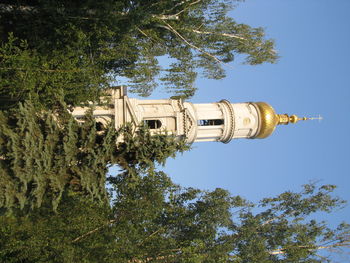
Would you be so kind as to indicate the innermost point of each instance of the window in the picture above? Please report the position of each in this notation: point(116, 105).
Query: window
point(153, 124)
point(214, 122)
point(99, 126)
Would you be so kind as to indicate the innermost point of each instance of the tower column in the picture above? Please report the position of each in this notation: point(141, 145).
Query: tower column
point(223, 121)
point(219, 121)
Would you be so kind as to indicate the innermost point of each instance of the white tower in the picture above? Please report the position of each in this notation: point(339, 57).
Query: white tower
point(220, 121)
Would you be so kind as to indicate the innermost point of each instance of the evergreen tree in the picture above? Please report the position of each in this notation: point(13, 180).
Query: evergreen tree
point(44, 153)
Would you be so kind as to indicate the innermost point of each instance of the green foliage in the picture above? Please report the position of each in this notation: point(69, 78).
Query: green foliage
point(54, 204)
point(200, 38)
point(168, 223)
point(47, 236)
point(24, 74)
point(154, 220)
point(82, 42)
point(282, 232)
point(141, 150)
point(44, 153)
point(48, 160)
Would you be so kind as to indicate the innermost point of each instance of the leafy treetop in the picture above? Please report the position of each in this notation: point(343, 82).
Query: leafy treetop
point(87, 41)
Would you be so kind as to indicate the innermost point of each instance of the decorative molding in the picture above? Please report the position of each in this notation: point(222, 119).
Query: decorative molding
point(227, 138)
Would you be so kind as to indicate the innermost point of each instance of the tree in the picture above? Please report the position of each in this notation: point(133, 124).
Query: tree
point(166, 223)
point(154, 220)
point(127, 38)
point(46, 236)
point(44, 153)
point(53, 196)
point(25, 73)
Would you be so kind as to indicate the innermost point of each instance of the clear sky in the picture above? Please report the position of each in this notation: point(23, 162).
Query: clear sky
point(312, 77)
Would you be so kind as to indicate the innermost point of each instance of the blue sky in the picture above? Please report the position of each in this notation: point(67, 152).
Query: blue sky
point(312, 77)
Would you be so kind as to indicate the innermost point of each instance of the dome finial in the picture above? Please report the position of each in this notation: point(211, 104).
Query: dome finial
point(286, 119)
point(269, 119)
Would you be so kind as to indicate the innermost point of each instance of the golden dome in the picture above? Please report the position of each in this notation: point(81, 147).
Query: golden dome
point(268, 120)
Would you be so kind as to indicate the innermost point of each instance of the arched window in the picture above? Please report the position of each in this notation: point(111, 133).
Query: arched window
point(99, 126)
point(153, 124)
point(213, 122)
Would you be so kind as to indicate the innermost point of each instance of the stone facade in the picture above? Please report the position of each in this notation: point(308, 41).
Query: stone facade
point(219, 121)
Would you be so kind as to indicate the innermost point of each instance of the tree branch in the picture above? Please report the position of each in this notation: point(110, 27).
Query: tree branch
point(220, 34)
point(227, 35)
point(142, 32)
point(5, 8)
point(170, 28)
point(149, 259)
point(272, 219)
point(45, 70)
point(176, 16)
point(93, 231)
point(282, 251)
point(154, 233)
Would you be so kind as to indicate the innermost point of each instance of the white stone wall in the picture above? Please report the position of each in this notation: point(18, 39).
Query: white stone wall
point(184, 119)
point(246, 120)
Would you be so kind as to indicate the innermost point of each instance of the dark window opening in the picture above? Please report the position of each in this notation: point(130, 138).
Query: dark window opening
point(153, 124)
point(213, 122)
point(99, 126)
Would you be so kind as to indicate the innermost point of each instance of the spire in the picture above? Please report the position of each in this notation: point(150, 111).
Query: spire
point(269, 119)
point(286, 119)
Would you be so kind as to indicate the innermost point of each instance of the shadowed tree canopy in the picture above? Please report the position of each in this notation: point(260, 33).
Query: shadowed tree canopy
point(154, 220)
point(45, 153)
point(96, 42)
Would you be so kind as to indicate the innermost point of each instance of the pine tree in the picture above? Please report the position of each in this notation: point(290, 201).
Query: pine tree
point(44, 153)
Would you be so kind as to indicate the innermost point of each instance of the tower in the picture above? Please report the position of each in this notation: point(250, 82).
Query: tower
point(219, 121)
